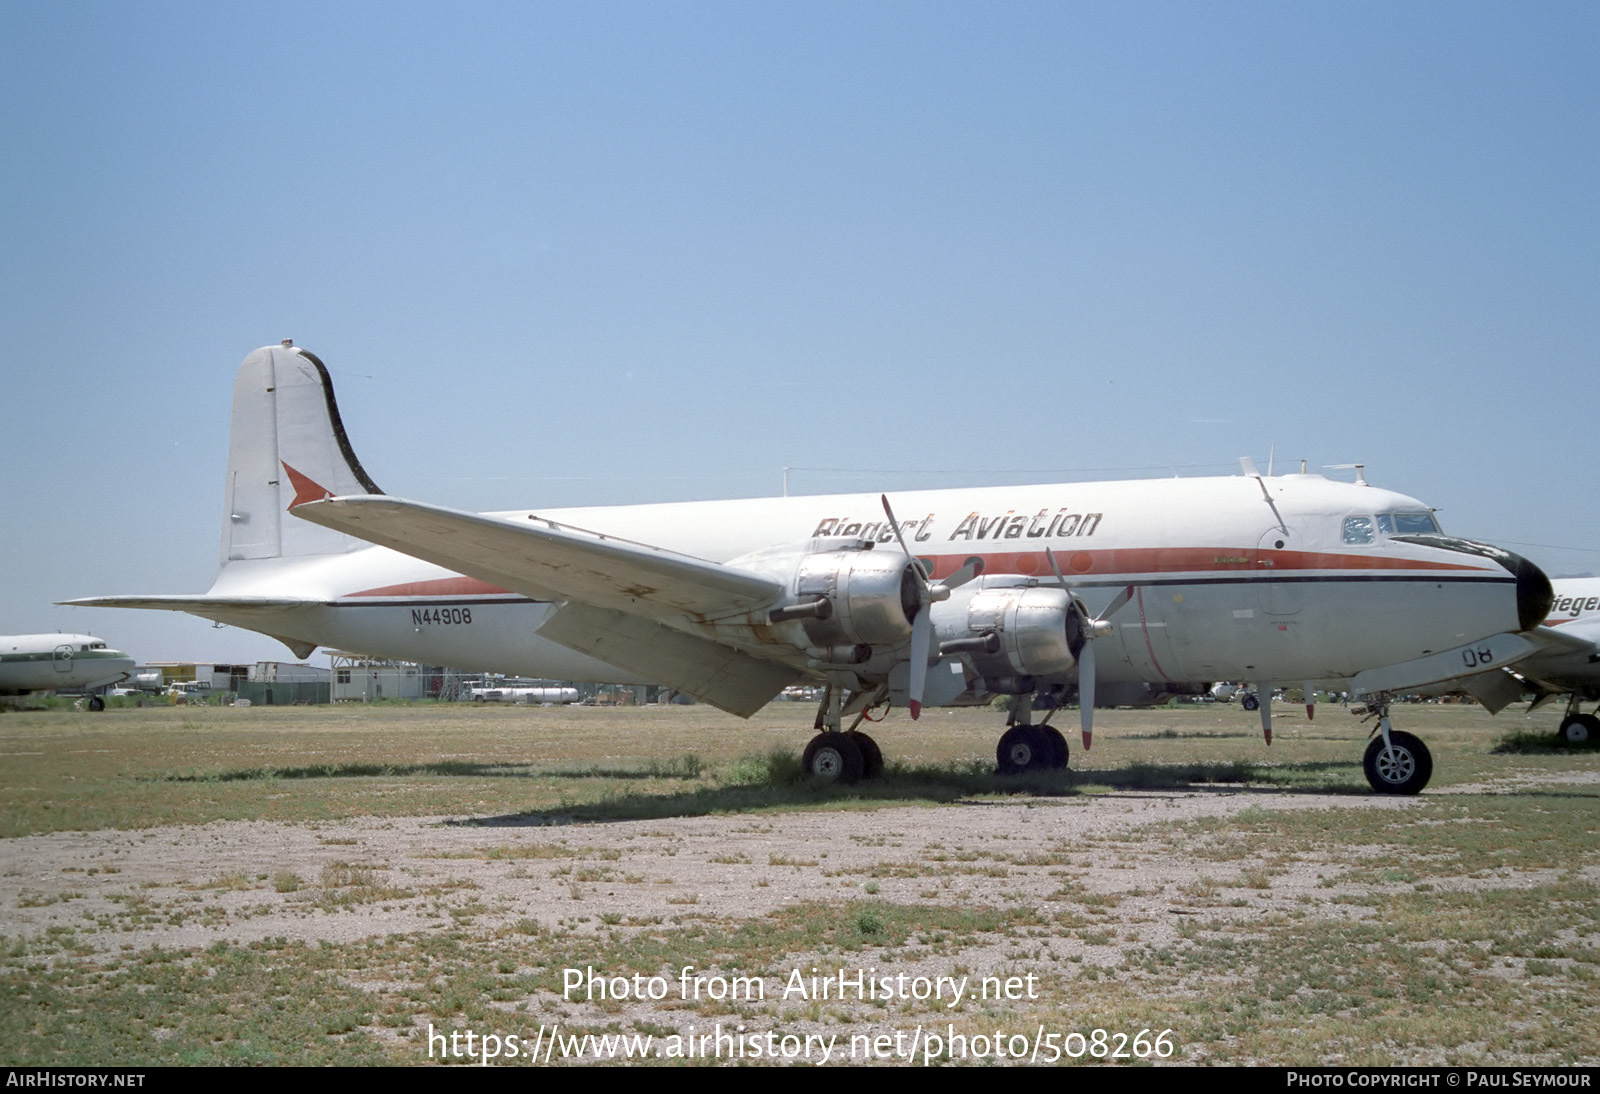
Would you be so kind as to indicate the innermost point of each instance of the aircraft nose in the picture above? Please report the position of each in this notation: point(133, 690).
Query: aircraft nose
point(1534, 592)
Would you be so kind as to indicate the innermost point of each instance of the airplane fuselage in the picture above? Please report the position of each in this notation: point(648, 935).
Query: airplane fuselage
point(44, 662)
point(1227, 586)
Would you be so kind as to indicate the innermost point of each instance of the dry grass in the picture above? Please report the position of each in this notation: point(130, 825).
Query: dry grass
point(1461, 927)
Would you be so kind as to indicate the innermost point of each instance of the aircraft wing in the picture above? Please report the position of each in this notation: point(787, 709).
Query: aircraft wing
point(621, 601)
point(1560, 660)
point(1582, 636)
point(549, 561)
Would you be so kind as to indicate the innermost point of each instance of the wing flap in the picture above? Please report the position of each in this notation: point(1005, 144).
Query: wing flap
point(711, 672)
point(548, 561)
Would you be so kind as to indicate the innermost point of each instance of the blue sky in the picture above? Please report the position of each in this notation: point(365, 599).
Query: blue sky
point(594, 253)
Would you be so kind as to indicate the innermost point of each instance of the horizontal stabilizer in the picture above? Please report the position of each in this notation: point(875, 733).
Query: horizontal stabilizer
point(199, 605)
point(548, 561)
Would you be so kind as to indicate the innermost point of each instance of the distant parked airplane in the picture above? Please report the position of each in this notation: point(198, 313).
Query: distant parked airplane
point(45, 662)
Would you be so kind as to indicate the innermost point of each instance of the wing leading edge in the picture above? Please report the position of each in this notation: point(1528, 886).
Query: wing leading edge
point(624, 602)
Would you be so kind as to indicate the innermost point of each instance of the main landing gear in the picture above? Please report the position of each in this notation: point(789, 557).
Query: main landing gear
point(1395, 762)
point(841, 756)
point(1025, 747)
point(1578, 728)
point(848, 755)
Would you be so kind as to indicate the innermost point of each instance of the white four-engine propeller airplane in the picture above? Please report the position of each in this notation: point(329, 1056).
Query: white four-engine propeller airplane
point(1110, 592)
point(45, 662)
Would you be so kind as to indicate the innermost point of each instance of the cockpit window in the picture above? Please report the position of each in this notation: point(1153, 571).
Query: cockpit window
point(1358, 529)
point(1405, 524)
point(1412, 523)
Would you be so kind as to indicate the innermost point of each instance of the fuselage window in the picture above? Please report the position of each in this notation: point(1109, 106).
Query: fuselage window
point(1358, 529)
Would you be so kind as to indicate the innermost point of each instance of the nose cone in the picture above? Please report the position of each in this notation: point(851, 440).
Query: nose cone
point(1534, 593)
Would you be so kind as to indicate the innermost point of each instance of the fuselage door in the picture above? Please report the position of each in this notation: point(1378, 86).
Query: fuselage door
point(1280, 567)
point(62, 658)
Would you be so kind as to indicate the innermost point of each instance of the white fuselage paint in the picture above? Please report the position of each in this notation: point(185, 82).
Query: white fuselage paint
point(44, 662)
point(1228, 586)
point(1575, 613)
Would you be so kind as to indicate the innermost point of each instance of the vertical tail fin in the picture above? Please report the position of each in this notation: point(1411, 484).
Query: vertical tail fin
point(287, 445)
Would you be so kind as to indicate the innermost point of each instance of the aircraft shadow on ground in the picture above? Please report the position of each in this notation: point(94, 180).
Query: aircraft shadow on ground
point(940, 786)
point(454, 768)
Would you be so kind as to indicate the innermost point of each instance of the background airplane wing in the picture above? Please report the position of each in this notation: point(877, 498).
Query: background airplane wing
point(548, 561)
point(1579, 636)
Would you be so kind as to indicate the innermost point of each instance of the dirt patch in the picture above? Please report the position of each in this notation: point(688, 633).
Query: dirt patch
point(192, 886)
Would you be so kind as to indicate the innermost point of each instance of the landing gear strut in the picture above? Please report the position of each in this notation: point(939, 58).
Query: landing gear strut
point(846, 756)
point(1395, 762)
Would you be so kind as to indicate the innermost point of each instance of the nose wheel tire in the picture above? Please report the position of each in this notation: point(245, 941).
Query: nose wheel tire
point(1403, 768)
point(1579, 729)
point(834, 758)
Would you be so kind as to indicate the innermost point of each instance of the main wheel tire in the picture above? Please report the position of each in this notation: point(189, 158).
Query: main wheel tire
point(1058, 746)
point(1403, 768)
point(1579, 729)
point(1022, 749)
point(833, 758)
point(96, 703)
point(871, 754)
point(1250, 702)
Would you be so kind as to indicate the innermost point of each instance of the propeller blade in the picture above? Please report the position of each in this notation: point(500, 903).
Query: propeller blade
point(1054, 565)
point(1119, 603)
point(958, 579)
point(1265, 695)
point(921, 635)
point(1086, 694)
point(895, 524)
point(1310, 696)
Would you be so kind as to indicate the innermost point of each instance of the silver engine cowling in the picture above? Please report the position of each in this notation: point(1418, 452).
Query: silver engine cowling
point(1012, 633)
point(872, 597)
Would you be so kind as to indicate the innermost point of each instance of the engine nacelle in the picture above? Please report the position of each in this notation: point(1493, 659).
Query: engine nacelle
point(1013, 632)
point(874, 596)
